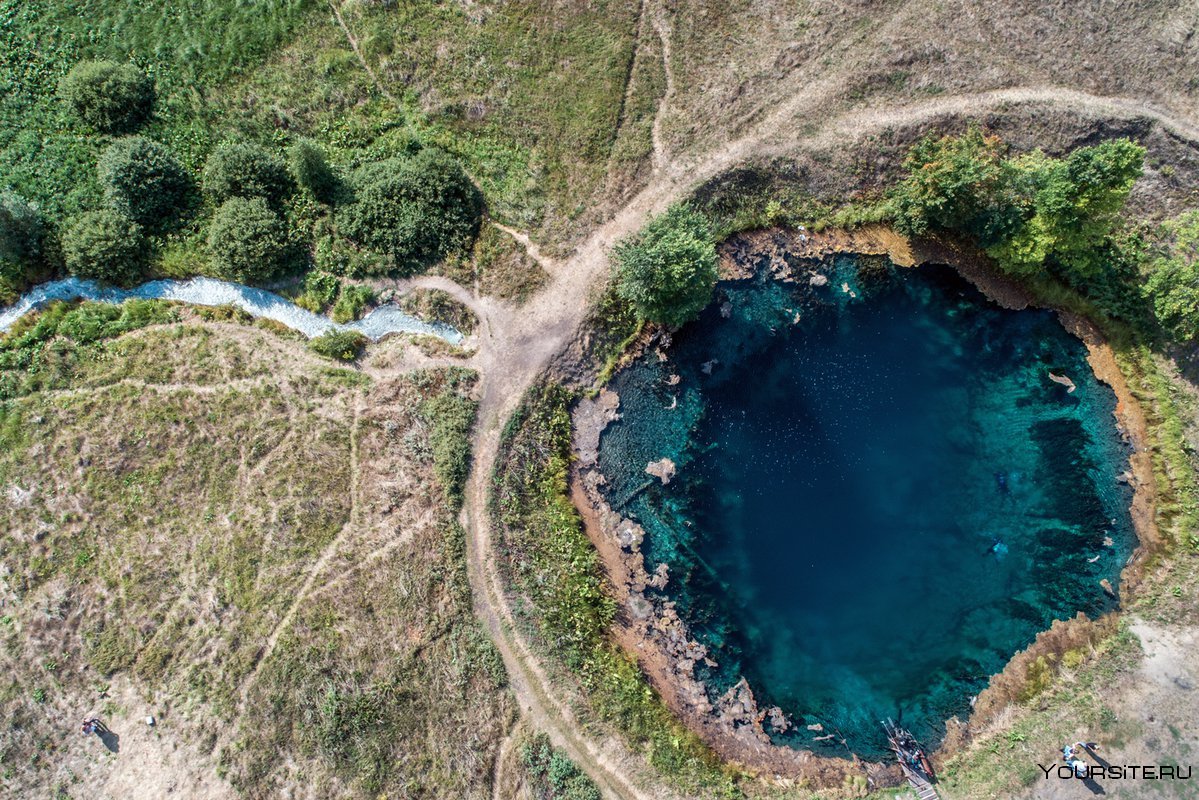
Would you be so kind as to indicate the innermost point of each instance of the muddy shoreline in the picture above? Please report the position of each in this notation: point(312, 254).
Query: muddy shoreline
point(650, 629)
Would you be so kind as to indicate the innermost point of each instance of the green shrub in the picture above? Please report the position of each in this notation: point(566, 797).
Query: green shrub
point(953, 183)
point(352, 301)
point(106, 246)
point(1030, 213)
point(21, 231)
point(1067, 207)
point(244, 169)
point(144, 181)
point(1173, 281)
point(107, 96)
point(668, 269)
point(248, 240)
point(416, 209)
point(340, 344)
point(553, 776)
point(320, 291)
point(311, 170)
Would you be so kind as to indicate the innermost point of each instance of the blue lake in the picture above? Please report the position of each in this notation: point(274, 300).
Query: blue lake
point(881, 494)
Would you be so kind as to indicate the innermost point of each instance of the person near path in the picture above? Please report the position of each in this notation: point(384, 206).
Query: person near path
point(93, 725)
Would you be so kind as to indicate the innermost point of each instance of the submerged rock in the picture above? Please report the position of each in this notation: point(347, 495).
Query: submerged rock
point(662, 469)
point(590, 418)
point(1064, 381)
point(778, 720)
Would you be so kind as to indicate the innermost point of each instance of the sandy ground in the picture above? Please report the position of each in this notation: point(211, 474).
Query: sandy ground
point(135, 759)
point(1159, 704)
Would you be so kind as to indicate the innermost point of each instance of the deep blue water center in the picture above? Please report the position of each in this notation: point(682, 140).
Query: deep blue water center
point(881, 494)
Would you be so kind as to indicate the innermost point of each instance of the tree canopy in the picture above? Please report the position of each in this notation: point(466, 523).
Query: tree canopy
point(143, 180)
point(244, 169)
point(668, 269)
point(248, 240)
point(107, 96)
point(104, 245)
point(417, 209)
point(21, 231)
point(1172, 284)
point(1028, 212)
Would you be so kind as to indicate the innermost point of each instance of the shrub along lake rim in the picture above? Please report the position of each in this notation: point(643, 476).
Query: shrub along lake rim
point(885, 486)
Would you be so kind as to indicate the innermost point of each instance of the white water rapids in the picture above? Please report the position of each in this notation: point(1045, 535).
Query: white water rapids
point(378, 323)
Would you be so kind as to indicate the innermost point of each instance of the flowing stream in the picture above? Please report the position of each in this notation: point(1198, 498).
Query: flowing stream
point(380, 322)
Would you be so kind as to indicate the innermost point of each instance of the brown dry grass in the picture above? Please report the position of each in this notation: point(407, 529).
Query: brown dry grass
point(251, 545)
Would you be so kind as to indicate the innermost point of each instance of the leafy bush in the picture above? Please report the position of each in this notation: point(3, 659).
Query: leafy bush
point(953, 183)
point(107, 96)
point(668, 269)
point(320, 291)
point(21, 231)
point(351, 302)
point(143, 181)
point(248, 240)
point(311, 170)
point(1069, 207)
point(1030, 213)
point(244, 169)
point(104, 245)
point(1173, 281)
point(340, 344)
point(416, 209)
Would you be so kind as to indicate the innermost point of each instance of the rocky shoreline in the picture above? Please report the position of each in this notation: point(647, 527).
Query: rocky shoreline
point(650, 629)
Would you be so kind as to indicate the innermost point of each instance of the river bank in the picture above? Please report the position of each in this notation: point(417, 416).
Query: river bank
point(651, 630)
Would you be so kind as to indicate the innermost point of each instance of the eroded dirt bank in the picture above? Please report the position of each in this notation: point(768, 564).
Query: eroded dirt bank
point(651, 630)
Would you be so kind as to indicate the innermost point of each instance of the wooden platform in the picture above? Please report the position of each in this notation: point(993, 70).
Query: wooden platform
point(924, 789)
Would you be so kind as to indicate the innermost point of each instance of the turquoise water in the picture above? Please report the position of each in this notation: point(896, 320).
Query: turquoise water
point(881, 495)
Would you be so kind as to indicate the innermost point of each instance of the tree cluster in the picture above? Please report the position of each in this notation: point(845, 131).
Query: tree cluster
point(1030, 212)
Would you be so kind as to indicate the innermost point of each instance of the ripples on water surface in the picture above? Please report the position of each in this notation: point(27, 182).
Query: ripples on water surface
point(877, 505)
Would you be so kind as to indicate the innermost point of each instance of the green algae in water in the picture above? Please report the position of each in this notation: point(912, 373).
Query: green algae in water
point(881, 495)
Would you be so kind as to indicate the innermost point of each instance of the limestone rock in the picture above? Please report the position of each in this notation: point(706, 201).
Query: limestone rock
point(663, 469)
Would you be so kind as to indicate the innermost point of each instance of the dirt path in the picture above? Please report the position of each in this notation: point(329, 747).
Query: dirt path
point(521, 343)
point(516, 344)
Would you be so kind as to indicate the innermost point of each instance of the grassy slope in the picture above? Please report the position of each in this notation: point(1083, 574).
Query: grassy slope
point(169, 528)
point(530, 97)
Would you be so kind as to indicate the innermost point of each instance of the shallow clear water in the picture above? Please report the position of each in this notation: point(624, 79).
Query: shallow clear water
point(877, 505)
point(384, 320)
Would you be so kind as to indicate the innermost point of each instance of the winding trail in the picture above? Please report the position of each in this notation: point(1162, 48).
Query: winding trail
point(522, 342)
point(517, 344)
